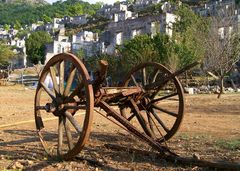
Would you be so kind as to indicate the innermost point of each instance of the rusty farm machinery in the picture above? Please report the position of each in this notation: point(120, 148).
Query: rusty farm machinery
point(149, 104)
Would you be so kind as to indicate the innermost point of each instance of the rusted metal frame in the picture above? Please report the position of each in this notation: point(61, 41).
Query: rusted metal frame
point(118, 94)
point(125, 91)
point(111, 112)
point(101, 75)
point(157, 84)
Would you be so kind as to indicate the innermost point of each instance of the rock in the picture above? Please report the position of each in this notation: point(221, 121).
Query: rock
point(195, 168)
point(230, 89)
point(59, 166)
point(29, 162)
point(196, 156)
point(189, 90)
point(2, 157)
point(15, 165)
point(34, 155)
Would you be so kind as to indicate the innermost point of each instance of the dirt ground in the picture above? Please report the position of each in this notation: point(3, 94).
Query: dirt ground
point(210, 130)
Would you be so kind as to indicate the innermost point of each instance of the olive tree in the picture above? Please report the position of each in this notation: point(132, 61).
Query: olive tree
point(36, 46)
point(222, 46)
point(5, 54)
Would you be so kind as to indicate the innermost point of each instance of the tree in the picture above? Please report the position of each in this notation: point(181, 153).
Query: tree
point(17, 25)
point(222, 46)
point(130, 1)
point(6, 27)
point(80, 53)
point(189, 32)
point(144, 48)
point(165, 48)
point(46, 19)
point(35, 46)
point(137, 50)
point(113, 65)
point(5, 54)
point(77, 9)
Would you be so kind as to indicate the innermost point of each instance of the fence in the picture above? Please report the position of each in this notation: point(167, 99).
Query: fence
point(28, 80)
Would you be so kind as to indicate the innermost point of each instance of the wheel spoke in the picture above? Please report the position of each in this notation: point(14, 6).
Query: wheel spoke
point(77, 90)
point(161, 87)
point(73, 122)
point(39, 122)
point(150, 121)
point(164, 110)
point(163, 98)
point(155, 74)
point(68, 92)
point(160, 121)
point(70, 80)
point(61, 77)
point(134, 80)
point(68, 133)
point(54, 79)
point(132, 116)
point(141, 120)
point(40, 108)
point(74, 107)
point(60, 136)
point(144, 77)
point(49, 92)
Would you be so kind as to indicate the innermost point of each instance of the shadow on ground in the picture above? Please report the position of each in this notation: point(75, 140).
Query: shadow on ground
point(25, 145)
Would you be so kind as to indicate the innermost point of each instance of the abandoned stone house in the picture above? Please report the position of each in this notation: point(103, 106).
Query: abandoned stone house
point(122, 15)
point(60, 44)
point(226, 13)
point(214, 8)
point(118, 32)
point(140, 4)
point(86, 41)
point(81, 19)
point(118, 11)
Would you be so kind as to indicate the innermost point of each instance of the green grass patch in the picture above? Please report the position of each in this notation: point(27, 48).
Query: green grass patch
point(184, 136)
point(233, 144)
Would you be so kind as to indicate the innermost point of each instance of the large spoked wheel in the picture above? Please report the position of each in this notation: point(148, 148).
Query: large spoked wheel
point(158, 111)
point(63, 106)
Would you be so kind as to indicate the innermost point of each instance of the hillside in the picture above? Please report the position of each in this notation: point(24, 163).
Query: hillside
point(27, 13)
point(32, 2)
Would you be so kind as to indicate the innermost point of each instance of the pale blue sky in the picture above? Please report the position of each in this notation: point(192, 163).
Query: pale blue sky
point(90, 1)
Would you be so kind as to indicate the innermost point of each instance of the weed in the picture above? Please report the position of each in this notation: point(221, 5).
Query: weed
point(184, 136)
point(233, 144)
